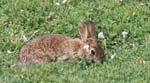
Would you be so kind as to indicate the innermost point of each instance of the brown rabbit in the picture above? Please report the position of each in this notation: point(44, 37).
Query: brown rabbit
point(59, 47)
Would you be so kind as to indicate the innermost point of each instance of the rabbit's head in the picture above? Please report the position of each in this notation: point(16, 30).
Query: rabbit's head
point(91, 45)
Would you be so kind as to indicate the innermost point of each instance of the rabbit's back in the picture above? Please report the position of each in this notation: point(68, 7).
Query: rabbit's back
point(42, 48)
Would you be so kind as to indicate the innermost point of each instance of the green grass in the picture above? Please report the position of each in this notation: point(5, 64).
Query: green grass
point(131, 63)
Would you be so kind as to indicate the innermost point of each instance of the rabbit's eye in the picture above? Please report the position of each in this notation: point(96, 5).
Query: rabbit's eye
point(93, 52)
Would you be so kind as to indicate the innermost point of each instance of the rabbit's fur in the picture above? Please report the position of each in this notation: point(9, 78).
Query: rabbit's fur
point(55, 47)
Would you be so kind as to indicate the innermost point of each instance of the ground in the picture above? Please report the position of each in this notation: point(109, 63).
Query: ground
point(127, 58)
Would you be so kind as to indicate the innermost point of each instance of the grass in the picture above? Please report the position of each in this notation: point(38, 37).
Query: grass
point(37, 17)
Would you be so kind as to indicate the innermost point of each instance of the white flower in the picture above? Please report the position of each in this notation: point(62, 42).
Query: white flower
point(124, 34)
point(64, 1)
point(24, 38)
point(133, 13)
point(57, 4)
point(143, 62)
point(112, 56)
point(141, 4)
point(9, 52)
point(12, 66)
point(21, 10)
point(101, 35)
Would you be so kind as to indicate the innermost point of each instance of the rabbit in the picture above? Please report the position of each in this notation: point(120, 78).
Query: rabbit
point(55, 47)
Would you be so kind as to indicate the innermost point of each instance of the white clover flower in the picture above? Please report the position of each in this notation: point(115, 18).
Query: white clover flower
point(9, 52)
point(144, 62)
point(21, 10)
point(141, 4)
point(24, 38)
point(112, 56)
point(133, 13)
point(64, 1)
point(101, 35)
point(57, 4)
point(124, 34)
point(13, 65)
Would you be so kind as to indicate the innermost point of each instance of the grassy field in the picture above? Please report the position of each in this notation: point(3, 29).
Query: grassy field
point(127, 59)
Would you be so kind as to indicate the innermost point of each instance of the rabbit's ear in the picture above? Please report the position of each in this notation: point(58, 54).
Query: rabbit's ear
point(91, 29)
point(83, 30)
